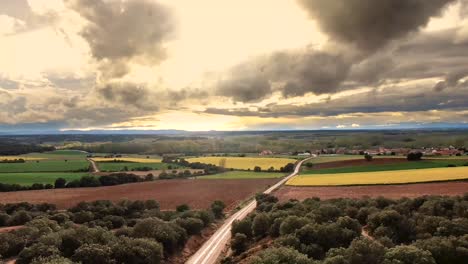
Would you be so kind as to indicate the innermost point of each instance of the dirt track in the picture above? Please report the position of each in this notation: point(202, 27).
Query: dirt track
point(390, 191)
point(169, 193)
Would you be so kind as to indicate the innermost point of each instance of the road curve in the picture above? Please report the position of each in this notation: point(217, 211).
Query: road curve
point(211, 249)
point(94, 167)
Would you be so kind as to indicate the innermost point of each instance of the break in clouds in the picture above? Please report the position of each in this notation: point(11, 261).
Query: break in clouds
point(379, 46)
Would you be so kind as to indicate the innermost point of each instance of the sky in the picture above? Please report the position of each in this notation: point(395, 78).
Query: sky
point(232, 65)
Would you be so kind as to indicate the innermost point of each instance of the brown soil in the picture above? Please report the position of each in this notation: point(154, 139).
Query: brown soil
point(389, 191)
point(357, 162)
point(198, 194)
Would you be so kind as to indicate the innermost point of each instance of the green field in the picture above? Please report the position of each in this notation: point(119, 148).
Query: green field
point(424, 164)
point(28, 179)
point(119, 166)
point(330, 158)
point(244, 175)
point(58, 165)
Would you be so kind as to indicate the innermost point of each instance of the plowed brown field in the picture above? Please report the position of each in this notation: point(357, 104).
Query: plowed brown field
point(390, 191)
point(198, 194)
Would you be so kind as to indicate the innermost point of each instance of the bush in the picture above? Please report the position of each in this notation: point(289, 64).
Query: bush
point(408, 255)
point(182, 208)
point(260, 225)
point(281, 255)
point(368, 157)
point(93, 253)
point(243, 226)
point(60, 183)
point(193, 226)
point(239, 243)
point(414, 156)
point(19, 218)
point(137, 251)
point(257, 169)
point(217, 207)
point(170, 235)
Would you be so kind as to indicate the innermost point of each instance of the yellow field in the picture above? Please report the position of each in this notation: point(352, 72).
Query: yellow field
point(19, 157)
point(139, 160)
point(381, 177)
point(244, 163)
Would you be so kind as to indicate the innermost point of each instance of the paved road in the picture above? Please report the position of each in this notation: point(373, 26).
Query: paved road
point(93, 165)
point(211, 249)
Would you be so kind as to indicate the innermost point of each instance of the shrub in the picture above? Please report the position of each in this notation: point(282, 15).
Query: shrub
point(93, 253)
point(182, 208)
point(60, 183)
point(217, 207)
point(137, 251)
point(281, 255)
point(239, 243)
point(260, 225)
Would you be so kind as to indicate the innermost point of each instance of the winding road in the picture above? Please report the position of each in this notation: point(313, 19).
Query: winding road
point(212, 249)
point(94, 167)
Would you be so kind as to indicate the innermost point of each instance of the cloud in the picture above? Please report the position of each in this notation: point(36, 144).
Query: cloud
point(370, 24)
point(119, 32)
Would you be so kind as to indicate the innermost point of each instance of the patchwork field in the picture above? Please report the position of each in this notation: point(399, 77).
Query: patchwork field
point(244, 163)
point(28, 179)
point(244, 175)
point(381, 177)
point(198, 194)
point(46, 165)
point(377, 165)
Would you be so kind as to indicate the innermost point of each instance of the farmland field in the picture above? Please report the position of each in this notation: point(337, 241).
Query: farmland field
point(331, 158)
point(46, 166)
point(405, 165)
point(128, 159)
point(244, 163)
point(119, 166)
point(198, 194)
point(28, 179)
point(381, 177)
point(286, 193)
point(244, 175)
point(19, 157)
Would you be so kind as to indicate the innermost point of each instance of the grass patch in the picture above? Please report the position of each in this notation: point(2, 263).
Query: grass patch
point(244, 175)
point(381, 177)
point(244, 163)
point(423, 164)
point(28, 179)
point(46, 166)
point(119, 166)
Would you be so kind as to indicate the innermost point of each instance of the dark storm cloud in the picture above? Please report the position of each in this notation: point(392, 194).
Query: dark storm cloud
point(370, 24)
point(292, 73)
point(366, 24)
point(120, 31)
point(390, 100)
point(129, 95)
